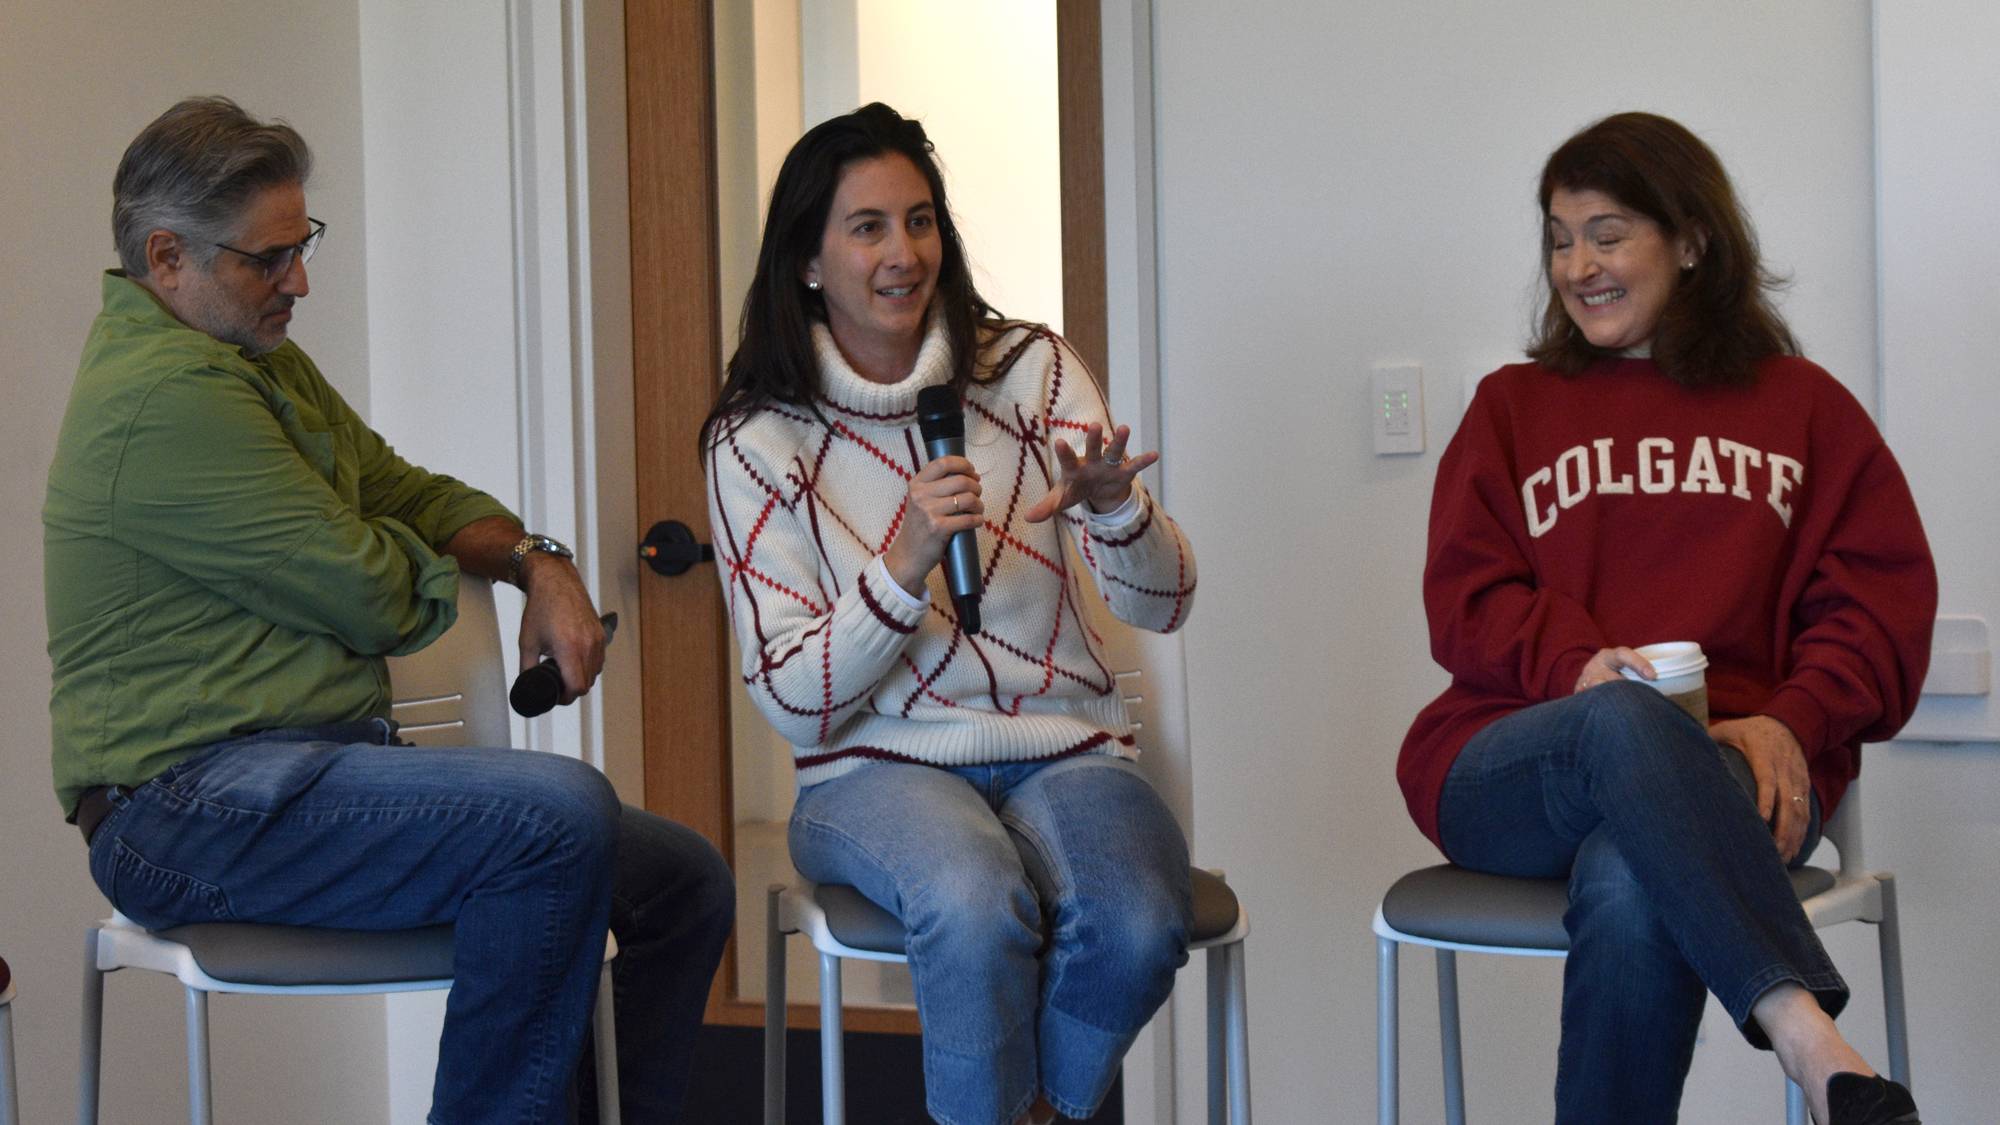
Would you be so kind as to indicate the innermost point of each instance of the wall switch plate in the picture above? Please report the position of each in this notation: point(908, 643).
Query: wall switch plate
point(1396, 399)
point(1961, 657)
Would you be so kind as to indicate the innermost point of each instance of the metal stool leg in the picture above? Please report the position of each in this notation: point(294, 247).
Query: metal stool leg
point(1218, 991)
point(1239, 1035)
point(91, 1055)
point(10, 1090)
point(605, 1028)
point(1795, 1104)
point(1889, 933)
point(1448, 1037)
point(201, 1097)
point(774, 1009)
point(1386, 1110)
point(832, 1074)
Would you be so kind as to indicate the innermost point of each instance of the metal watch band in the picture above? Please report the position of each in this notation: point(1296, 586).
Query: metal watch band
point(530, 544)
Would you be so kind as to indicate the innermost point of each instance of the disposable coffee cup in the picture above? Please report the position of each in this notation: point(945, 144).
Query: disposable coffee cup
point(1680, 672)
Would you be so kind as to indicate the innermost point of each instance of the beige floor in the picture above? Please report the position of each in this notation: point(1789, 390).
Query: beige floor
point(761, 860)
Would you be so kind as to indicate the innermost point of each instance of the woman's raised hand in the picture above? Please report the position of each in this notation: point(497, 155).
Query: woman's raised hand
point(943, 501)
point(1101, 477)
point(1606, 666)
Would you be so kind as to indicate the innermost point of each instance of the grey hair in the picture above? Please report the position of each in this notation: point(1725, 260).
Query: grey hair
point(192, 170)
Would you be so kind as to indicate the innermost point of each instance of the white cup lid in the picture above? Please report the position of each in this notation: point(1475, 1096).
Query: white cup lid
point(1674, 658)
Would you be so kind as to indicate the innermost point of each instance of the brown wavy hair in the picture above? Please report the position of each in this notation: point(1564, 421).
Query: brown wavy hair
point(1719, 320)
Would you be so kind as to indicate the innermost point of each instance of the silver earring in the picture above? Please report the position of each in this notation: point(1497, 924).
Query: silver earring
point(813, 285)
point(1688, 265)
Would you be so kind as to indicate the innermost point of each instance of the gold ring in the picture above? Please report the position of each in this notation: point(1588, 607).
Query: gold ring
point(954, 501)
point(1800, 800)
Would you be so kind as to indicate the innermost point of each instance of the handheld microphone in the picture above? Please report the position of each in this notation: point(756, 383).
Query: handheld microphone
point(537, 690)
point(941, 419)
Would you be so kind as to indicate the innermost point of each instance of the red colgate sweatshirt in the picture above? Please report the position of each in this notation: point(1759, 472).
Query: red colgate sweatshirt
point(1770, 523)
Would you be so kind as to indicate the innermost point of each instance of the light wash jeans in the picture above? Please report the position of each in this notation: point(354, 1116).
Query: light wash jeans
point(1047, 905)
point(528, 854)
point(1674, 884)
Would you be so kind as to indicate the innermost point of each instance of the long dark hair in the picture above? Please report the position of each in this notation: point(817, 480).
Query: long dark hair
point(1719, 320)
point(774, 359)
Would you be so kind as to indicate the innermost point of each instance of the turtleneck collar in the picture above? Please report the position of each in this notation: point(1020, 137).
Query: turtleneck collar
point(845, 388)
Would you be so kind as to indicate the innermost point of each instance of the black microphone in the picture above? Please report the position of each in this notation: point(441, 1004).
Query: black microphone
point(942, 421)
point(537, 690)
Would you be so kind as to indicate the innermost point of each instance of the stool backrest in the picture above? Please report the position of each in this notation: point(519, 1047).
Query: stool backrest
point(453, 692)
point(1843, 830)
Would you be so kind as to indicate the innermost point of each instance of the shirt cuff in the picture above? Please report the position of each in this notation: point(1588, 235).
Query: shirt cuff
point(1116, 517)
point(880, 570)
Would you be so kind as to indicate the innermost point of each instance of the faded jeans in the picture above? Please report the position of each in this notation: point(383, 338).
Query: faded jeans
point(528, 854)
point(1674, 884)
point(1047, 907)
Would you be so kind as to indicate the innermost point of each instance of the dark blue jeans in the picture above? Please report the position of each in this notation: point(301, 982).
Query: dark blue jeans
point(1674, 884)
point(529, 855)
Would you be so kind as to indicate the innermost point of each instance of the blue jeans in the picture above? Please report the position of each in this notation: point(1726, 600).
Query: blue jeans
point(1674, 884)
point(1047, 906)
point(529, 855)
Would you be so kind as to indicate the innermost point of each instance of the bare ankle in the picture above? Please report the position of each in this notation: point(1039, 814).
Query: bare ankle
point(1809, 1047)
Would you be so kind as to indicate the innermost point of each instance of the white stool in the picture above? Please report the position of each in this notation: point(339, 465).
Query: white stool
point(286, 961)
point(1453, 910)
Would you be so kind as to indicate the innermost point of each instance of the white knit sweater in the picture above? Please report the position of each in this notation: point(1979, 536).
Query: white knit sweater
point(847, 670)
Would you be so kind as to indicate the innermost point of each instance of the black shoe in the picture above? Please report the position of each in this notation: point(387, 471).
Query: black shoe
point(1854, 1099)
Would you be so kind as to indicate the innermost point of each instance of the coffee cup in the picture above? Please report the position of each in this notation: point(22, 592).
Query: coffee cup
point(1680, 674)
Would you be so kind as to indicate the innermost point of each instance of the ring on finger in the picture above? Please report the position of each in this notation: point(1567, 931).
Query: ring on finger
point(954, 501)
point(1800, 800)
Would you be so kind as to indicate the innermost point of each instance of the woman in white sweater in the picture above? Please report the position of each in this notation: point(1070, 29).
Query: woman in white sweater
point(976, 782)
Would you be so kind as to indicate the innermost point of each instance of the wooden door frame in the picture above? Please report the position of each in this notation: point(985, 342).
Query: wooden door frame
point(677, 353)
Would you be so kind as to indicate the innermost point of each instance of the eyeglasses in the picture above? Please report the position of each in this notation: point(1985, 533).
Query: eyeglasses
point(278, 262)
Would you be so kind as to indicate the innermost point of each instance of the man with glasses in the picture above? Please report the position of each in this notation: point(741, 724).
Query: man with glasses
point(230, 553)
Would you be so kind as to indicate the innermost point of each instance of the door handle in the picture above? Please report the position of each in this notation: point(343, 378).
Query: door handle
point(670, 548)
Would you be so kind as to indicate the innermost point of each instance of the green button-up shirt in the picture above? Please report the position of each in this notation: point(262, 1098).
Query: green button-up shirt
point(228, 548)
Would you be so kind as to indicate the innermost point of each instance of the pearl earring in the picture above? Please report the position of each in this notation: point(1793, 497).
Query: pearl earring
point(1688, 265)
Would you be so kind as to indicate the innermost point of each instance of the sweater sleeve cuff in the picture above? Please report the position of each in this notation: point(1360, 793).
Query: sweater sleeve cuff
point(1564, 672)
point(883, 581)
point(1797, 709)
point(1117, 517)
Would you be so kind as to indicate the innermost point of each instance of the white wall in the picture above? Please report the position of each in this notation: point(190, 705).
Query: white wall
point(1345, 185)
point(77, 81)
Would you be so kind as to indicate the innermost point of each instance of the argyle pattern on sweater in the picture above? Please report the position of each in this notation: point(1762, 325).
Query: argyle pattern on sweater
point(849, 671)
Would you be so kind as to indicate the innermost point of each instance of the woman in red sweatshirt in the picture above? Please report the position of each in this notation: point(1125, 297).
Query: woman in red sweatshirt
point(1666, 469)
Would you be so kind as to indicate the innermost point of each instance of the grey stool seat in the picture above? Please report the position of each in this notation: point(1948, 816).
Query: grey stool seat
point(1454, 910)
point(1452, 904)
point(843, 923)
point(294, 956)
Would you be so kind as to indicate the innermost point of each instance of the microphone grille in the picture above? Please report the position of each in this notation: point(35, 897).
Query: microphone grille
point(939, 413)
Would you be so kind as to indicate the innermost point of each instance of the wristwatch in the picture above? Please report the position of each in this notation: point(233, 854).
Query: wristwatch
point(530, 544)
